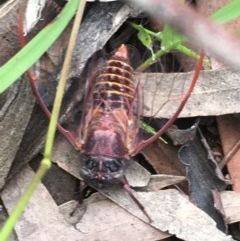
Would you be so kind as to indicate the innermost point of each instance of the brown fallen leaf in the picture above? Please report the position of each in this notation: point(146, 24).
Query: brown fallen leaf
point(104, 220)
point(17, 104)
point(231, 205)
point(41, 220)
point(229, 129)
point(170, 211)
point(160, 181)
point(163, 158)
point(216, 93)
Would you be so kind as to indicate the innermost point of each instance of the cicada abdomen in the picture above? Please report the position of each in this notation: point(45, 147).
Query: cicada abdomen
point(110, 126)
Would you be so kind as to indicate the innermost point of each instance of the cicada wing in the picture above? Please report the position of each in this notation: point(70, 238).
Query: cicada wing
point(164, 96)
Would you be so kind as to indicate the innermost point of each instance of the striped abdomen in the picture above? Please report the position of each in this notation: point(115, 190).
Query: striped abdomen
point(110, 126)
point(110, 123)
point(114, 87)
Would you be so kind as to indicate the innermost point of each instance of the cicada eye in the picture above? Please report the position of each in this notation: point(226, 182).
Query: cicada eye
point(112, 165)
point(89, 162)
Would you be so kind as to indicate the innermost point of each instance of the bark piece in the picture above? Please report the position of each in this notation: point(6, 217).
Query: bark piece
point(100, 23)
point(203, 180)
point(15, 114)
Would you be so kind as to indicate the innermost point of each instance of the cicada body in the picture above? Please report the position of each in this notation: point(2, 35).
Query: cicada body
point(107, 133)
point(109, 125)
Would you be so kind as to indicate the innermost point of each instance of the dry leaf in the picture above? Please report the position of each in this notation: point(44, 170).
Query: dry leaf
point(16, 109)
point(172, 212)
point(104, 220)
point(216, 93)
point(229, 129)
point(231, 204)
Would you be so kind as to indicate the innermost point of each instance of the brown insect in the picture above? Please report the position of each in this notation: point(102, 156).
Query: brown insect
point(109, 127)
point(108, 132)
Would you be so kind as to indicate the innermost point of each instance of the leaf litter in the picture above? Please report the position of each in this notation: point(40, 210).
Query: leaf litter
point(170, 210)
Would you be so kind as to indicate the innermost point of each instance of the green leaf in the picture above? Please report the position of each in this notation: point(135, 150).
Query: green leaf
point(227, 13)
point(143, 35)
point(145, 39)
point(170, 38)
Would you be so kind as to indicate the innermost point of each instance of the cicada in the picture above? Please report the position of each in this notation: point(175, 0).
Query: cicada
point(106, 127)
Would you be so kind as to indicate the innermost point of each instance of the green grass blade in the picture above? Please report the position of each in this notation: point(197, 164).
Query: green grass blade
point(227, 13)
point(151, 130)
point(46, 162)
point(27, 56)
point(62, 82)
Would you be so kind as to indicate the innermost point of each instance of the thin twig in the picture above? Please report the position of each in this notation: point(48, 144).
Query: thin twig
point(230, 154)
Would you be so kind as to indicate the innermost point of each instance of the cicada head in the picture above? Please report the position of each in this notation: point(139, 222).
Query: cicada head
point(101, 171)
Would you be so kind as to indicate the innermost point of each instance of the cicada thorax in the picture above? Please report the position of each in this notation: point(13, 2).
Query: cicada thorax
point(110, 126)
